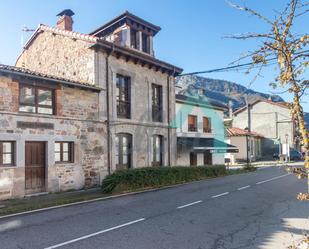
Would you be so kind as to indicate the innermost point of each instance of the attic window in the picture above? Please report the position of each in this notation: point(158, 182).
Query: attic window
point(134, 39)
point(145, 43)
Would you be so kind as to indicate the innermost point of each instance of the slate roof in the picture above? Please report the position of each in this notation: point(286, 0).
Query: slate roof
point(281, 104)
point(109, 46)
point(26, 72)
point(201, 101)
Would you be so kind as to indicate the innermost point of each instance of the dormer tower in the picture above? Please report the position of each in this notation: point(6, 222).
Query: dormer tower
point(129, 31)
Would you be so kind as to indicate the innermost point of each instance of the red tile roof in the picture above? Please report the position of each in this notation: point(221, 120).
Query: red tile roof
point(237, 132)
point(72, 34)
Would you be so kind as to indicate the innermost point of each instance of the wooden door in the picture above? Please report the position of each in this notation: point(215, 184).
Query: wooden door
point(193, 159)
point(35, 167)
point(207, 158)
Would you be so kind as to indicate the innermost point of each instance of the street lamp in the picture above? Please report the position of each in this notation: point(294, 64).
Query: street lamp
point(287, 148)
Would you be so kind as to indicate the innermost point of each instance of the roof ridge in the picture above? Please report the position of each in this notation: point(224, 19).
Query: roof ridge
point(74, 34)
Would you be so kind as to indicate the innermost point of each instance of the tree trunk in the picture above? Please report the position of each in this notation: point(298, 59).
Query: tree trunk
point(298, 110)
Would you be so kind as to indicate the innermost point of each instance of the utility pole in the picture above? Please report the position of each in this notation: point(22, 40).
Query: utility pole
point(248, 128)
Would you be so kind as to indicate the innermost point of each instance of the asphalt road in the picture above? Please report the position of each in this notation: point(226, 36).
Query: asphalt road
point(254, 210)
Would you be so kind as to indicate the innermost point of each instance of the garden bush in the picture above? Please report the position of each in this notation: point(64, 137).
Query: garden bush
point(145, 178)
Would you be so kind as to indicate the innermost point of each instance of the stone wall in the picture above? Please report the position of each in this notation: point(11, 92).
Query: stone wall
point(61, 56)
point(8, 94)
point(72, 102)
point(79, 124)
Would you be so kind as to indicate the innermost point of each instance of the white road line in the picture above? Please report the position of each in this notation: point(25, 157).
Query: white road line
point(190, 204)
point(215, 196)
point(248, 186)
point(274, 178)
point(94, 234)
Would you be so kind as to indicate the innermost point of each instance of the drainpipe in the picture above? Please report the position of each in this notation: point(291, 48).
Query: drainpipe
point(168, 121)
point(108, 113)
point(168, 117)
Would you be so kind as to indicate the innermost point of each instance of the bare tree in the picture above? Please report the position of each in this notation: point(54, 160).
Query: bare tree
point(290, 50)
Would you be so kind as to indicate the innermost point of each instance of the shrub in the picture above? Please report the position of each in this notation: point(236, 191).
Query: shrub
point(143, 178)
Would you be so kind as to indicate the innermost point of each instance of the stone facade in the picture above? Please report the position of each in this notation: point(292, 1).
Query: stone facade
point(77, 60)
point(76, 120)
point(82, 116)
point(140, 125)
point(59, 55)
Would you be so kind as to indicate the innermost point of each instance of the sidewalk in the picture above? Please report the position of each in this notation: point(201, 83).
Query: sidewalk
point(48, 200)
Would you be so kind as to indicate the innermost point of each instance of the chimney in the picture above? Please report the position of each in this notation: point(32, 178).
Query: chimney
point(65, 21)
point(230, 106)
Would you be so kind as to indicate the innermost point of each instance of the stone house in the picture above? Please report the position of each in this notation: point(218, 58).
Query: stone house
point(115, 114)
point(248, 144)
point(273, 121)
point(50, 134)
point(200, 131)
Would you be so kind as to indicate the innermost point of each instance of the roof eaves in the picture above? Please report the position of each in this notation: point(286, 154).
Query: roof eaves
point(36, 75)
point(113, 48)
point(126, 14)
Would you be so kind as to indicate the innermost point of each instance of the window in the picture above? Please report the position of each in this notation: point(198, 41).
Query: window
point(193, 159)
point(123, 96)
point(157, 150)
point(206, 125)
point(64, 152)
point(145, 43)
point(7, 153)
point(134, 38)
point(156, 103)
point(36, 100)
point(192, 123)
point(123, 151)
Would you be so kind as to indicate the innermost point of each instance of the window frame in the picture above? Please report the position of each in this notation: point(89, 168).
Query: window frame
point(126, 104)
point(36, 104)
point(192, 129)
point(120, 165)
point(207, 129)
point(157, 108)
point(154, 162)
point(12, 153)
point(70, 152)
point(145, 43)
point(134, 33)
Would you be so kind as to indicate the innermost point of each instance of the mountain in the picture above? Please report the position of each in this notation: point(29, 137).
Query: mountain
point(220, 90)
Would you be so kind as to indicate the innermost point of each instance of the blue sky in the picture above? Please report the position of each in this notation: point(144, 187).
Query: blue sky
point(191, 36)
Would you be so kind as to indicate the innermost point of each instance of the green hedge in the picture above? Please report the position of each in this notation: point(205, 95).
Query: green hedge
point(143, 178)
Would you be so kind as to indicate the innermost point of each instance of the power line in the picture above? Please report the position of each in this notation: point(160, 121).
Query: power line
point(239, 67)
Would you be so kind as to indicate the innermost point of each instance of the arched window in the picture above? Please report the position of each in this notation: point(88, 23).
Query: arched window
point(157, 151)
point(123, 149)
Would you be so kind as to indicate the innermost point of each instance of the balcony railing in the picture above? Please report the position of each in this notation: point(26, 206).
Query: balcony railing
point(192, 128)
point(207, 130)
point(123, 109)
